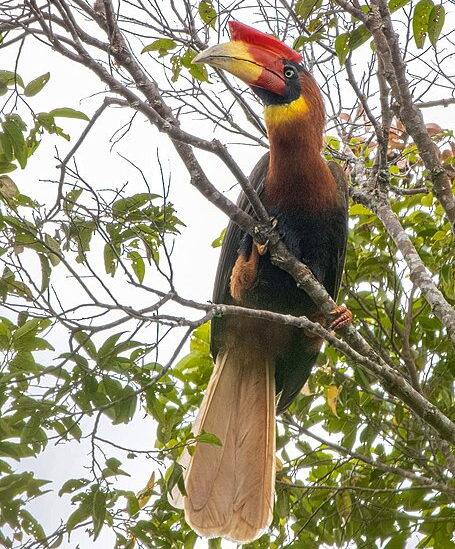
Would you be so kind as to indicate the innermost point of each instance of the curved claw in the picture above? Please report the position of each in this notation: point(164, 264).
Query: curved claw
point(343, 317)
point(262, 248)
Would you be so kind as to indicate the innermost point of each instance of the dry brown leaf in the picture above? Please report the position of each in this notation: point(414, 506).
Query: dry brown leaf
point(332, 397)
point(372, 145)
point(144, 495)
point(360, 112)
point(305, 390)
point(396, 145)
point(278, 464)
point(433, 129)
point(8, 188)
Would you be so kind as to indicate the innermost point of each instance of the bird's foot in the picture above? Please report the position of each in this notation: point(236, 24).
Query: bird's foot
point(263, 248)
point(342, 317)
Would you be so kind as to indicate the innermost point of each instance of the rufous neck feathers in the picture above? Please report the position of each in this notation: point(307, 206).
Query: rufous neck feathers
point(297, 172)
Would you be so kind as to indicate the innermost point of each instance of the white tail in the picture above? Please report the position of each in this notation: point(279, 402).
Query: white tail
point(230, 488)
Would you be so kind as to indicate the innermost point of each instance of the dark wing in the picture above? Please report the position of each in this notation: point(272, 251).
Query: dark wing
point(230, 248)
point(234, 235)
point(342, 228)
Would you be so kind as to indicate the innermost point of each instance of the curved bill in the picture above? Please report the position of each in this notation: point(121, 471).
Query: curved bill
point(255, 65)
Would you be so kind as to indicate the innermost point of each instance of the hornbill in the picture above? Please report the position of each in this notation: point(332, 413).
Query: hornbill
point(260, 366)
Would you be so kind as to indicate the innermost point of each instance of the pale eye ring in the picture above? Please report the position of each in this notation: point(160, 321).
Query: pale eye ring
point(289, 72)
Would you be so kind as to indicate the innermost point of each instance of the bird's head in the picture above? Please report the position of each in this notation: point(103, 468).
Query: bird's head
point(273, 70)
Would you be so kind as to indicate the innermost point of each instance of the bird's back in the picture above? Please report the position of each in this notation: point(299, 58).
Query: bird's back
point(318, 239)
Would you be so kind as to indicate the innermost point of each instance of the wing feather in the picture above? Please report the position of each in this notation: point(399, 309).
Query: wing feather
point(230, 247)
point(343, 193)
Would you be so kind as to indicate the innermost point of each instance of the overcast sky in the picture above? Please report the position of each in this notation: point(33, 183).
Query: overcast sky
point(194, 258)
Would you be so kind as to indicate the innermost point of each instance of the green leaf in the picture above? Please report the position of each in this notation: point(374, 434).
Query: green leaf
point(10, 78)
point(54, 250)
point(113, 468)
point(138, 265)
point(70, 200)
point(197, 71)
point(82, 513)
point(113, 464)
point(67, 112)
point(25, 335)
point(58, 541)
point(6, 148)
point(219, 240)
point(36, 85)
point(190, 540)
point(162, 45)
point(176, 478)
point(85, 230)
point(207, 13)
point(24, 361)
point(112, 388)
point(342, 47)
point(122, 207)
point(313, 25)
point(435, 23)
point(5, 335)
point(132, 505)
point(15, 451)
point(282, 503)
point(98, 511)
point(110, 259)
point(32, 431)
point(397, 541)
point(31, 526)
point(303, 8)
point(7, 167)
point(359, 36)
point(45, 272)
point(108, 345)
point(17, 119)
point(420, 21)
point(359, 209)
point(176, 63)
point(395, 5)
point(17, 141)
point(208, 438)
point(72, 428)
point(84, 340)
point(126, 406)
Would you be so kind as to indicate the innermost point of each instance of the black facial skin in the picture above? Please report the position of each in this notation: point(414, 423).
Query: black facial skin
point(292, 90)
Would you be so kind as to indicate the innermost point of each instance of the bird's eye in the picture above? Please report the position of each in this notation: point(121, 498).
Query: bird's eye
point(289, 71)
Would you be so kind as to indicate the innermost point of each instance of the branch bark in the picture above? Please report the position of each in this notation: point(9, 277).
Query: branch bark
point(378, 203)
point(160, 115)
point(379, 23)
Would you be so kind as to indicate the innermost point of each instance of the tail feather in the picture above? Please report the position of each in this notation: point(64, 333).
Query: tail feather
point(230, 488)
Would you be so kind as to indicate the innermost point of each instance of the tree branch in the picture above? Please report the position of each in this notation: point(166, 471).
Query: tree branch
point(379, 23)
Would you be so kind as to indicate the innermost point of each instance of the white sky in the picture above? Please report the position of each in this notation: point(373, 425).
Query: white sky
point(194, 259)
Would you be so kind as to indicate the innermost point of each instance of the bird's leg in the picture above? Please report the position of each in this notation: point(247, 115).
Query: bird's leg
point(262, 248)
point(342, 317)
